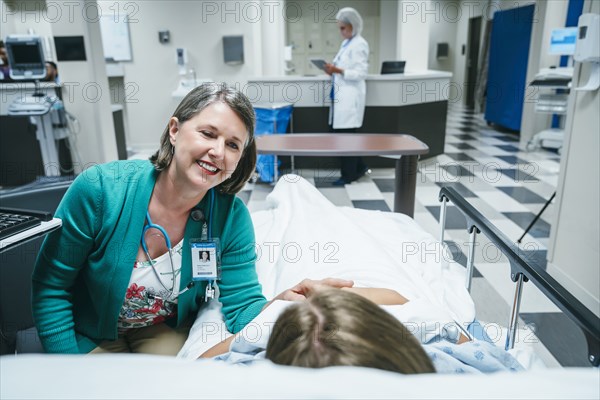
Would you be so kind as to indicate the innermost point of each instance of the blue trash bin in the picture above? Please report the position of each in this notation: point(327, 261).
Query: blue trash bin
point(270, 118)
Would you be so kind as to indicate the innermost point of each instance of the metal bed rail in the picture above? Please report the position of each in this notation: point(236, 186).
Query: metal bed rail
point(522, 270)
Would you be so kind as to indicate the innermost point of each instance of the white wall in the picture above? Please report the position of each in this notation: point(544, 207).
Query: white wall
point(272, 32)
point(443, 30)
point(86, 93)
point(573, 257)
point(388, 30)
point(7, 24)
point(412, 39)
point(199, 27)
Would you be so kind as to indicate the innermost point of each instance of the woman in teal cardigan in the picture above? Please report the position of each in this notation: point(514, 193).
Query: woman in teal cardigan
point(120, 274)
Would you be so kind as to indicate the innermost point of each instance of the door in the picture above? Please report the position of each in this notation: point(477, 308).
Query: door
point(509, 52)
point(473, 40)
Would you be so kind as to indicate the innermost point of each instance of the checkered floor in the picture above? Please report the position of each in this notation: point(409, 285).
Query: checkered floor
point(509, 187)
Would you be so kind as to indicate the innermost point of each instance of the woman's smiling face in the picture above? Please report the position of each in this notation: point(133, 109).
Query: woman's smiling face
point(208, 146)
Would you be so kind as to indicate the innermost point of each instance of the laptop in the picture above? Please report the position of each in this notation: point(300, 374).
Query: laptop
point(393, 67)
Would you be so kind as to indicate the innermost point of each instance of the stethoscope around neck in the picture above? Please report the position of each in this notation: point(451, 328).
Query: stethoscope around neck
point(197, 216)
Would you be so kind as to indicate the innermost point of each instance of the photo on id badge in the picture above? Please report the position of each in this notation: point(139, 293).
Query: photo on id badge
point(204, 256)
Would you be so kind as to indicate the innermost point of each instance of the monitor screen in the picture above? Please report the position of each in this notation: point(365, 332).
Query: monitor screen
point(562, 41)
point(26, 54)
point(25, 57)
point(69, 48)
point(393, 67)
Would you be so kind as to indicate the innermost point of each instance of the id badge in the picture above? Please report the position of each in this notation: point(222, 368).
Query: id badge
point(206, 259)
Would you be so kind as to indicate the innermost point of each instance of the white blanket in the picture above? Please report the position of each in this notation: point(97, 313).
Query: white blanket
point(131, 376)
point(303, 235)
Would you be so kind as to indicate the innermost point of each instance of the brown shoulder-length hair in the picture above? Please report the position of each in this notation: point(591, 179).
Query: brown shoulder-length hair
point(192, 104)
point(337, 327)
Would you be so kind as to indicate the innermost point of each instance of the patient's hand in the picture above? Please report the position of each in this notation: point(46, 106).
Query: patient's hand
point(304, 289)
point(379, 295)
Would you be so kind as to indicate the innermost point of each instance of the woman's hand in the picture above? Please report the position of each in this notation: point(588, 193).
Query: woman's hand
point(331, 69)
point(308, 286)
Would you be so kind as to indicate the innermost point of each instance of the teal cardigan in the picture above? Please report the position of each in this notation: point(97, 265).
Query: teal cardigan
point(83, 269)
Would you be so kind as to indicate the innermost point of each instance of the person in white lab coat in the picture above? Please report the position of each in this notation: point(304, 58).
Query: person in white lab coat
point(348, 72)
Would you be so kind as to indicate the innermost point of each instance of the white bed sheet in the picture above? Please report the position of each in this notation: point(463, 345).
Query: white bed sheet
point(155, 377)
point(375, 249)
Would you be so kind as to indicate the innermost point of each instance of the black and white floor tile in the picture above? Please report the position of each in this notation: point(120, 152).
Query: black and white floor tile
point(508, 186)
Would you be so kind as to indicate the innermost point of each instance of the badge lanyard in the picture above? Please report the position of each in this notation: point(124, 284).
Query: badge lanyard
point(206, 255)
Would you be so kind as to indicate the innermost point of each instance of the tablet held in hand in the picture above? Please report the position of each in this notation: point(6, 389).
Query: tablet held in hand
point(319, 63)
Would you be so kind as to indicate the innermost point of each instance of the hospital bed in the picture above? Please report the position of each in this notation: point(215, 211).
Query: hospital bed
point(301, 234)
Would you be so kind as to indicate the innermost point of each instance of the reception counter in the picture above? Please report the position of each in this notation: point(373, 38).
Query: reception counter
point(413, 103)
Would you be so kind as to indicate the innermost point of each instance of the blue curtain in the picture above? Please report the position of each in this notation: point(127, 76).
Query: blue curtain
point(509, 52)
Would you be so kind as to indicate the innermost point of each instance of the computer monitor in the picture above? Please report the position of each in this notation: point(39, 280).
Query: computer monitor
point(562, 41)
point(393, 67)
point(25, 57)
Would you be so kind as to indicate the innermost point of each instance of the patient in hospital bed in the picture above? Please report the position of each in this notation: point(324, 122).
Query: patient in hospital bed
point(338, 327)
point(345, 327)
point(402, 258)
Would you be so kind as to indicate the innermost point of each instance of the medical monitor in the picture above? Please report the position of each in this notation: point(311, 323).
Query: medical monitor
point(69, 48)
point(25, 57)
point(393, 67)
point(562, 41)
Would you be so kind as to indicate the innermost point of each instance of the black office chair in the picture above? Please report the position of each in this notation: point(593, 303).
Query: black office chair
point(17, 331)
point(393, 67)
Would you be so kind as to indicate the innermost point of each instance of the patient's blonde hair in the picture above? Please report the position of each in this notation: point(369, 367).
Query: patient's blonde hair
point(336, 327)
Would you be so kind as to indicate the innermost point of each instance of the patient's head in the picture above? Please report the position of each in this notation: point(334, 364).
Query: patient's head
point(3, 54)
point(336, 327)
point(51, 71)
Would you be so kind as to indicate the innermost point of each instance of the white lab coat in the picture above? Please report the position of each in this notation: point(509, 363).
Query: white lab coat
point(350, 89)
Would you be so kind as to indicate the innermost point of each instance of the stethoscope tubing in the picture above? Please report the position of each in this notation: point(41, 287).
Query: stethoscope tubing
point(162, 230)
point(151, 225)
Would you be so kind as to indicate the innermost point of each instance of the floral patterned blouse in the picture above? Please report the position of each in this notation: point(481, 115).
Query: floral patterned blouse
point(149, 301)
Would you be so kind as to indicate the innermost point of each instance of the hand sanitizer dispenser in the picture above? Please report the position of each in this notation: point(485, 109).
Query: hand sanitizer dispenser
point(182, 60)
point(587, 48)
